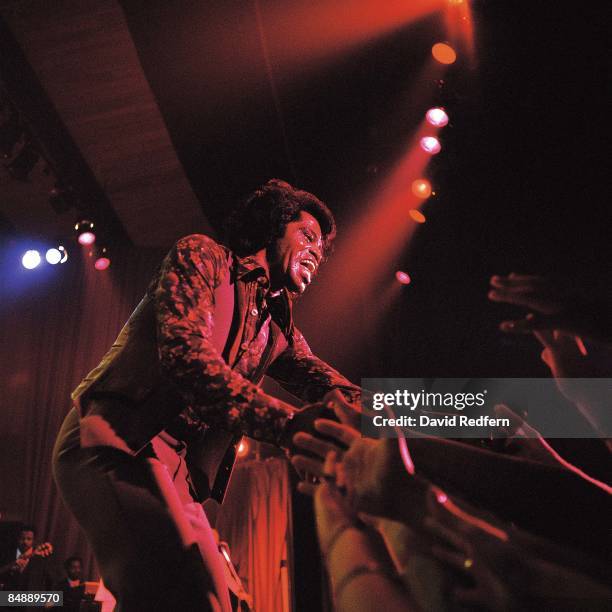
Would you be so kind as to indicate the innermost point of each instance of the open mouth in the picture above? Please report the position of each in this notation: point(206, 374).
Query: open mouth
point(308, 268)
point(309, 265)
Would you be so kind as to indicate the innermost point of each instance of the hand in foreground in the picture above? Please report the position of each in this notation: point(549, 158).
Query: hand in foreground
point(568, 359)
point(522, 440)
point(371, 475)
point(552, 306)
point(331, 507)
point(459, 545)
point(302, 433)
point(303, 421)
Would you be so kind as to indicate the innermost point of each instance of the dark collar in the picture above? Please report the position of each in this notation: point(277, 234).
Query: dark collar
point(281, 307)
point(247, 268)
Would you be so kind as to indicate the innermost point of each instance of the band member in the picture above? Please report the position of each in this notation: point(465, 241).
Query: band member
point(154, 427)
point(25, 566)
point(71, 585)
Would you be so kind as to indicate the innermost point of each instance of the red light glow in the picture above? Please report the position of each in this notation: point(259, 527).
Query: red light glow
point(402, 277)
point(421, 188)
point(444, 53)
point(436, 117)
point(243, 448)
point(417, 215)
point(102, 263)
point(87, 238)
point(430, 144)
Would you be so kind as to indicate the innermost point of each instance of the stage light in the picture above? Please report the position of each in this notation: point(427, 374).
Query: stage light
point(85, 233)
point(56, 255)
point(417, 215)
point(444, 53)
point(31, 259)
point(243, 448)
point(441, 497)
point(437, 117)
point(53, 256)
point(402, 277)
point(102, 263)
point(421, 188)
point(430, 144)
point(102, 259)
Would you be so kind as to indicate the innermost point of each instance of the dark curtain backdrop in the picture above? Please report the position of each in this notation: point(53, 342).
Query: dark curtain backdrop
point(56, 322)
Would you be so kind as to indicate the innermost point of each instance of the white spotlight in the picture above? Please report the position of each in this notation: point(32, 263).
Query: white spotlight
point(56, 255)
point(53, 256)
point(30, 259)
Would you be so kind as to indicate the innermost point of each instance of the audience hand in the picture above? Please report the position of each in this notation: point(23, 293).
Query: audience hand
point(474, 555)
point(372, 474)
point(523, 440)
point(553, 306)
point(333, 510)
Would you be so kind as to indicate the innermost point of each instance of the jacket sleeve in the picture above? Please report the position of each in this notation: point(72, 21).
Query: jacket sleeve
point(307, 377)
point(213, 392)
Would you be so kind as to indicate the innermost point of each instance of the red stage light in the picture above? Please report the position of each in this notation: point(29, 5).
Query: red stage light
point(243, 448)
point(444, 53)
point(102, 263)
point(402, 277)
point(430, 144)
point(421, 188)
point(437, 117)
point(87, 238)
point(417, 215)
point(441, 497)
point(85, 233)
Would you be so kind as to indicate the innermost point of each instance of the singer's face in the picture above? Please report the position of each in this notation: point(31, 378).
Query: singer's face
point(295, 257)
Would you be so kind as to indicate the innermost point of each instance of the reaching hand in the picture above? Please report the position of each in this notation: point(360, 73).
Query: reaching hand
point(487, 589)
point(553, 306)
point(522, 440)
point(303, 421)
point(301, 431)
point(571, 364)
point(333, 510)
point(371, 474)
point(473, 554)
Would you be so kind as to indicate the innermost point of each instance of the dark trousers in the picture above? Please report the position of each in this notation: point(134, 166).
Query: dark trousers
point(144, 545)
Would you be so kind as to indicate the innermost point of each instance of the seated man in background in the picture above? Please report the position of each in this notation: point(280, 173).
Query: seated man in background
point(72, 585)
point(180, 386)
point(26, 566)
